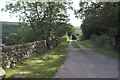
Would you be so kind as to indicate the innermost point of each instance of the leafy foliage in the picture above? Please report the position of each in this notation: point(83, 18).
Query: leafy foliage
point(100, 18)
point(45, 19)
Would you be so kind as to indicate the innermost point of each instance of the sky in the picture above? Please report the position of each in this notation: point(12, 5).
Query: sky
point(5, 16)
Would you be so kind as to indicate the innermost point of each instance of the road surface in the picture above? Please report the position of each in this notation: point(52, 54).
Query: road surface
point(87, 64)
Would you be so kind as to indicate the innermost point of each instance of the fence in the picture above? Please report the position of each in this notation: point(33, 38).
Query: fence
point(18, 53)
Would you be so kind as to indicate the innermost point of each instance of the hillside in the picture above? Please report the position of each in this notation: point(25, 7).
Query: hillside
point(8, 27)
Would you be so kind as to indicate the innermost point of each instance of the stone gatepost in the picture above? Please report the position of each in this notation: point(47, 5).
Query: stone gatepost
point(2, 72)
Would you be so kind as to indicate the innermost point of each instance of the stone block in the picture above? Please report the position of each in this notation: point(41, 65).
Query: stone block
point(2, 73)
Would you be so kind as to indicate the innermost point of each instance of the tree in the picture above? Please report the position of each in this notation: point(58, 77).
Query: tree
point(47, 19)
point(100, 18)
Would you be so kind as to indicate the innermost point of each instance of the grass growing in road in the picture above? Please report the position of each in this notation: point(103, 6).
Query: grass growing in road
point(37, 67)
point(75, 45)
point(98, 48)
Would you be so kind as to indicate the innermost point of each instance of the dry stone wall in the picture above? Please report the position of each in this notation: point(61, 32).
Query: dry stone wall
point(18, 53)
point(104, 41)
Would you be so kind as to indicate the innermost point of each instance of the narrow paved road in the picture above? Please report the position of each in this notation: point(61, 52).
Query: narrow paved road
point(87, 64)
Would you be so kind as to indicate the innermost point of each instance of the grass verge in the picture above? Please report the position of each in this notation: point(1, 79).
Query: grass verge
point(37, 67)
point(98, 48)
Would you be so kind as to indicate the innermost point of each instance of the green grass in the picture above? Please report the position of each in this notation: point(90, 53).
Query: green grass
point(99, 48)
point(36, 67)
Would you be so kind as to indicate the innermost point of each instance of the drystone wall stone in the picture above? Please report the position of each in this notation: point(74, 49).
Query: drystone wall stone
point(104, 41)
point(19, 53)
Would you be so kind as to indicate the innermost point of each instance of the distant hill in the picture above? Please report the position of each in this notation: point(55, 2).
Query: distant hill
point(8, 27)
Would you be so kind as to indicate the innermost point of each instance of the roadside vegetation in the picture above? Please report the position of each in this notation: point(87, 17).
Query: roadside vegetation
point(90, 44)
point(43, 65)
point(38, 21)
point(96, 21)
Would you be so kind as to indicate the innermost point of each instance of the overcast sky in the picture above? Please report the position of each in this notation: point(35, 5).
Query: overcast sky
point(4, 16)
